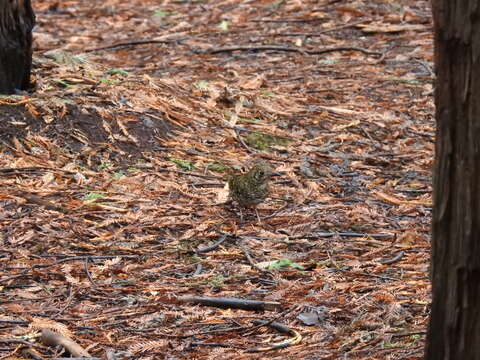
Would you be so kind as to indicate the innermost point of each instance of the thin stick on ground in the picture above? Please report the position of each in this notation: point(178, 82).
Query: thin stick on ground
point(251, 262)
point(214, 245)
point(290, 49)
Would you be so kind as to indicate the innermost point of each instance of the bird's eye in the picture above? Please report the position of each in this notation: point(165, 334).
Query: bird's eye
point(259, 174)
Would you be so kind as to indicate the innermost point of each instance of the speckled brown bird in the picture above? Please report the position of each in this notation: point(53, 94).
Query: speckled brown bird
point(251, 188)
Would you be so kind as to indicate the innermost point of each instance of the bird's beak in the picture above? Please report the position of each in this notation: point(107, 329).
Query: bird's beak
point(277, 173)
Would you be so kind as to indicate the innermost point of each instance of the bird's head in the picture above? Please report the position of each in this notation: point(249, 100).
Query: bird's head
point(260, 172)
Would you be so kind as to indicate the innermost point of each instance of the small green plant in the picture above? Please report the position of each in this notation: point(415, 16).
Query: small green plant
point(104, 165)
point(118, 175)
point(402, 80)
point(194, 259)
point(163, 13)
point(108, 81)
point(66, 58)
point(183, 164)
point(249, 121)
point(389, 345)
point(224, 25)
point(92, 196)
point(264, 142)
point(267, 93)
point(117, 72)
point(217, 167)
point(63, 83)
point(217, 281)
point(284, 263)
point(328, 62)
point(326, 263)
point(201, 84)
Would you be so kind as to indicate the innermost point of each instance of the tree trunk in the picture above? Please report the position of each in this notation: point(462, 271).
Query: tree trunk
point(16, 23)
point(454, 329)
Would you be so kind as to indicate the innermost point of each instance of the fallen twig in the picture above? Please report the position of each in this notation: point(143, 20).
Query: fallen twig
point(206, 184)
point(21, 322)
point(290, 49)
point(344, 234)
point(69, 301)
point(89, 276)
point(286, 20)
point(242, 142)
point(133, 43)
point(20, 341)
point(32, 353)
point(192, 344)
point(188, 173)
point(394, 259)
point(319, 33)
point(369, 275)
point(232, 303)
point(251, 262)
point(37, 200)
point(8, 278)
point(409, 333)
point(78, 358)
point(295, 339)
point(265, 322)
point(213, 246)
point(33, 169)
point(198, 270)
point(216, 331)
point(73, 258)
point(53, 339)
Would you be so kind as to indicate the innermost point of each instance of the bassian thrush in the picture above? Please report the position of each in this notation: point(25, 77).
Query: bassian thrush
point(251, 188)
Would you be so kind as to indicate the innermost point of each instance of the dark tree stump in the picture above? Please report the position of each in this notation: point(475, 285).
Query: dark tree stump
point(454, 329)
point(16, 23)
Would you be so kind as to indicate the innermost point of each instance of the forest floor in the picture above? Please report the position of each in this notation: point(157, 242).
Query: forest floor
point(112, 175)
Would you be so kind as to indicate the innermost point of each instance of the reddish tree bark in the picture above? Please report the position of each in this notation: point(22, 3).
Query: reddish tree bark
point(16, 23)
point(454, 329)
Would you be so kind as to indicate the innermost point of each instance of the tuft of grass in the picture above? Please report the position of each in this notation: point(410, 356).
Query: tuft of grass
point(118, 175)
point(405, 81)
point(217, 281)
point(328, 62)
point(183, 164)
point(92, 196)
point(63, 83)
point(267, 93)
point(163, 13)
point(202, 84)
point(217, 167)
point(104, 165)
point(249, 121)
point(117, 72)
point(284, 263)
point(109, 81)
point(265, 142)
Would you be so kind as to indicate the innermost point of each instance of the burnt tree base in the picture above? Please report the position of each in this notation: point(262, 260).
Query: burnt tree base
point(454, 329)
point(16, 23)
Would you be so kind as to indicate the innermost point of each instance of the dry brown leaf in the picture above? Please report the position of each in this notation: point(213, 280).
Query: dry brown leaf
point(43, 323)
point(253, 83)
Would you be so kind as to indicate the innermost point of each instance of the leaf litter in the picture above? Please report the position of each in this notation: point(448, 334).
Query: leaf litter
point(113, 172)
